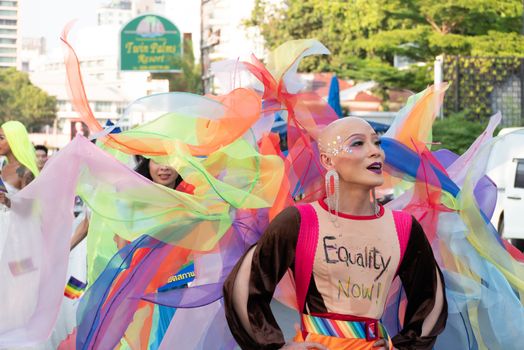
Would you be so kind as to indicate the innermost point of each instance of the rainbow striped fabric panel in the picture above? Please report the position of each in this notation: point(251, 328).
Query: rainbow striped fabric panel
point(344, 329)
point(74, 288)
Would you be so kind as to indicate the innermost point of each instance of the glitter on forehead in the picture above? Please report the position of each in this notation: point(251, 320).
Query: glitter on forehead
point(333, 147)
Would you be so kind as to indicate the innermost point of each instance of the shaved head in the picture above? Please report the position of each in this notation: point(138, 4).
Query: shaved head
point(332, 136)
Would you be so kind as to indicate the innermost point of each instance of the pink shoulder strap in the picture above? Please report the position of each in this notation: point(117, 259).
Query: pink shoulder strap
point(403, 223)
point(305, 251)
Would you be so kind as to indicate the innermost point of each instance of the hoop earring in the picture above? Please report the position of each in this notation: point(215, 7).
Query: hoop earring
point(376, 208)
point(332, 194)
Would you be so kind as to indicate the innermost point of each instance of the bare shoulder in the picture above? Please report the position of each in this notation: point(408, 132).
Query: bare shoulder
point(27, 176)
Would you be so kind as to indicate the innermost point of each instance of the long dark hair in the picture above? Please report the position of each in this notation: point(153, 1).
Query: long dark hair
point(142, 168)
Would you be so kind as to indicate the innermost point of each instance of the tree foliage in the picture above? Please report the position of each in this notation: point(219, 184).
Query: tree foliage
point(365, 35)
point(21, 100)
point(456, 132)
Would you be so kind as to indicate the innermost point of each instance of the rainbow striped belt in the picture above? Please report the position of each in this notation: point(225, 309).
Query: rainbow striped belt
point(369, 330)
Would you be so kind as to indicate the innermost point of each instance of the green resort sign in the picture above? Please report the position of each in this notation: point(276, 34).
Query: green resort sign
point(150, 43)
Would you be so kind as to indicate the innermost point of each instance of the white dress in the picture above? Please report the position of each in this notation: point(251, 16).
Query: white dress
point(4, 223)
point(4, 215)
point(66, 321)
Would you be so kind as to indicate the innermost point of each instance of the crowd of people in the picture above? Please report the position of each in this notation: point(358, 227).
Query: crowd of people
point(193, 223)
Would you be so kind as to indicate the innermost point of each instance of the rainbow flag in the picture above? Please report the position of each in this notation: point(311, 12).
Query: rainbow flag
point(74, 288)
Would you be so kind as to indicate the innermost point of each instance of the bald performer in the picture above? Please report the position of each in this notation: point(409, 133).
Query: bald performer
point(344, 252)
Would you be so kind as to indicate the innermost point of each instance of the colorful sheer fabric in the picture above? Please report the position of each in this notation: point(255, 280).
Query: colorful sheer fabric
point(222, 147)
point(126, 204)
point(435, 194)
point(33, 265)
point(22, 148)
point(233, 174)
point(257, 176)
point(305, 114)
point(187, 124)
point(483, 279)
point(211, 292)
point(113, 305)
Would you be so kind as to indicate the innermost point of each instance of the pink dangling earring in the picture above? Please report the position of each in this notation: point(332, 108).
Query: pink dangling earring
point(332, 194)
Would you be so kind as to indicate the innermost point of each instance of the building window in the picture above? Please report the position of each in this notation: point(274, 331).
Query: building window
point(102, 106)
point(7, 31)
point(7, 59)
point(7, 50)
point(7, 41)
point(8, 22)
point(8, 3)
point(62, 105)
point(8, 13)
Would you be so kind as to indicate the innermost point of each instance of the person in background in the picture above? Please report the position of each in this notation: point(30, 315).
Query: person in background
point(41, 152)
point(17, 170)
point(166, 176)
point(19, 167)
point(160, 174)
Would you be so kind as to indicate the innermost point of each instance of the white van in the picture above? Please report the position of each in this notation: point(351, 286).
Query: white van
point(506, 164)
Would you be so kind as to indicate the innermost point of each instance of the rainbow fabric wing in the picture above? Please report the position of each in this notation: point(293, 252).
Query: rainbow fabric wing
point(212, 147)
point(435, 196)
point(222, 146)
point(483, 275)
point(232, 172)
point(93, 330)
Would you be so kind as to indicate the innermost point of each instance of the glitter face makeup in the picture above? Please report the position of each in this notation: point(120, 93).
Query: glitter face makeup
point(347, 145)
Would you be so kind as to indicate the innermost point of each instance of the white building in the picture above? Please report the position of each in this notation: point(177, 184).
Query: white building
point(148, 6)
point(32, 50)
point(115, 12)
point(225, 34)
point(9, 34)
point(120, 12)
